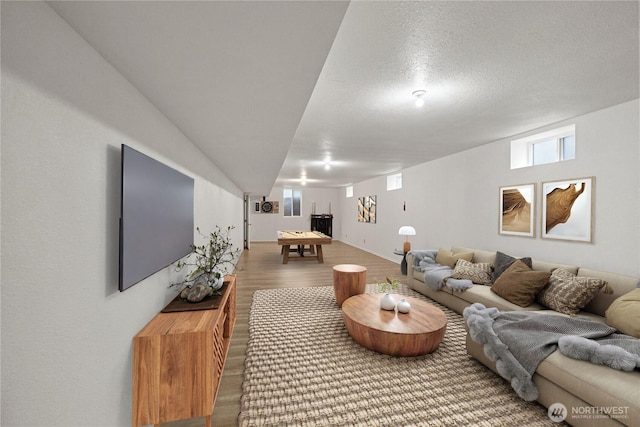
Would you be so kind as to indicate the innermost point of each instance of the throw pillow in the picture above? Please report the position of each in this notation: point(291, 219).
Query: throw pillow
point(624, 313)
point(478, 273)
point(449, 259)
point(504, 261)
point(519, 284)
point(567, 293)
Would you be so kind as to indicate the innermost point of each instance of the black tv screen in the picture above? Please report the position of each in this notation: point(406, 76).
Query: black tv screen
point(156, 217)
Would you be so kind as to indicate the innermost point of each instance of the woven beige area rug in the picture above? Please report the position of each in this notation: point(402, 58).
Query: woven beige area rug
point(303, 369)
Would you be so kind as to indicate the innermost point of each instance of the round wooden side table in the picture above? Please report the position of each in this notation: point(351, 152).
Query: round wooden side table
point(348, 280)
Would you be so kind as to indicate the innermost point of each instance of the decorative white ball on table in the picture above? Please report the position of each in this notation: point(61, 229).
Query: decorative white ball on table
point(403, 306)
point(388, 302)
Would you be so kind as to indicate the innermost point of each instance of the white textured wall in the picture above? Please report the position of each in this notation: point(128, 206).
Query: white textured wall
point(454, 200)
point(66, 330)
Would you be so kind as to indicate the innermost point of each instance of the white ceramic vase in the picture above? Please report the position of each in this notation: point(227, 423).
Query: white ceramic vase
point(404, 306)
point(387, 302)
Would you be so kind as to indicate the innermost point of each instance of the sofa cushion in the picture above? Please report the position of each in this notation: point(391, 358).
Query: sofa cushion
point(485, 296)
point(550, 266)
point(448, 258)
point(504, 261)
point(476, 272)
point(479, 255)
point(567, 293)
point(619, 283)
point(598, 385)
point(624, 313)
point(418, 275)
point(519, 284)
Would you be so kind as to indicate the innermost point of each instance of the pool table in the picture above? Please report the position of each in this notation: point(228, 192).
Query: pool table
point(300, 239)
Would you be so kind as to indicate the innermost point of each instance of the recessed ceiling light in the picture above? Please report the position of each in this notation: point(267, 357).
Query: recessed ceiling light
point(419, 95)
point(327, 162)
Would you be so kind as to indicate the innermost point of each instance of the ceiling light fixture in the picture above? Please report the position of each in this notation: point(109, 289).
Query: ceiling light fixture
point(419, 94)
point(327, 163)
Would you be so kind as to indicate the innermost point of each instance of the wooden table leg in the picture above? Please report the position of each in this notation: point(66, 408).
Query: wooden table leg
point(319, 251)
point(207, 421)
point(285, 253)
point(312, 249)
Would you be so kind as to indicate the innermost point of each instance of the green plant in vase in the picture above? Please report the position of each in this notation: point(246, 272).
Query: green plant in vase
point(387, 302)
point(387, 285)
point(208, 262)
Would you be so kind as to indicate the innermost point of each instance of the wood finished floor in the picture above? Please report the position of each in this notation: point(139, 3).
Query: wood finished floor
point(261, 268)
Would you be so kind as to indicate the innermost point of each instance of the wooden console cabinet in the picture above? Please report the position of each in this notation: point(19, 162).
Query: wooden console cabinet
point(178, 359)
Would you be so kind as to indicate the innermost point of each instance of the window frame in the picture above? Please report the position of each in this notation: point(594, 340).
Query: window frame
point(394, 181)
point(522, 149)
point(349, 191)
point(558, 139)
point(292, 197)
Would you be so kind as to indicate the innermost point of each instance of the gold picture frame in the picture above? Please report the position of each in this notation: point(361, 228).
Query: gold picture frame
point(568, 209)
point(518, 210)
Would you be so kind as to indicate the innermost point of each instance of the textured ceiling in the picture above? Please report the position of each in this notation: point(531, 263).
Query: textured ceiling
point(490, 69)
point(234, 77)
point(267, 90)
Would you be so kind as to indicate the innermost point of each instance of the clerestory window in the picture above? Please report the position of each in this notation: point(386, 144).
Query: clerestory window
point(556, 145)
point(394, 182)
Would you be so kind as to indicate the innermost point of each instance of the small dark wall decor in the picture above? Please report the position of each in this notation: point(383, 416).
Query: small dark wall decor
point(567, 209)
point(367, 209)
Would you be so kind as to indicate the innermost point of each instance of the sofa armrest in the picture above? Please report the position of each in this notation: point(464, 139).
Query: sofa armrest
point(413, 260)
point(410, 267)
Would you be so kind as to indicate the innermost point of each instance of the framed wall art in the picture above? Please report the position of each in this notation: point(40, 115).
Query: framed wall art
point(367, 209)
point(517, 210)
point(567, 209)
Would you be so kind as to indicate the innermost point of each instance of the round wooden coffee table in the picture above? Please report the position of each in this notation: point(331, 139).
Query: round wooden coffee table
point(418, 332)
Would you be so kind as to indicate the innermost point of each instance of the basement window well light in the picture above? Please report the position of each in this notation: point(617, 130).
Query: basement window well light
point(349, 191)
point(552, 146)
point(394, 182)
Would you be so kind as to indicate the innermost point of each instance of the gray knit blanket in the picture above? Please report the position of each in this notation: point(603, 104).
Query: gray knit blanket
point(519, 341)
point(437, 276)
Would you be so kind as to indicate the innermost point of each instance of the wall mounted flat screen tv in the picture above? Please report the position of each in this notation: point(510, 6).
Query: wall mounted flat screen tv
point(156, 216)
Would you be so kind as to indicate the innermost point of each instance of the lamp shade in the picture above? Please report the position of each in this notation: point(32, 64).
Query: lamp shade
point(407, 230)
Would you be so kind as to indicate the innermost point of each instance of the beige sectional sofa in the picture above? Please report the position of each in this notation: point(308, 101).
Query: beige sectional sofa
point(594, 395)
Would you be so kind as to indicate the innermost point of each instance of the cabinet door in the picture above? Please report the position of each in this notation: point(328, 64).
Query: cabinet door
point(186, 376)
